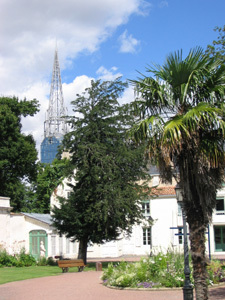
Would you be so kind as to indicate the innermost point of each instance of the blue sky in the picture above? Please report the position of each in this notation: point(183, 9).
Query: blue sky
point(168, 26)
point(95, 39)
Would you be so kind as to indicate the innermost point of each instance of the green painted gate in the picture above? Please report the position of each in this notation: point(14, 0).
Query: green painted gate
point(36, 236)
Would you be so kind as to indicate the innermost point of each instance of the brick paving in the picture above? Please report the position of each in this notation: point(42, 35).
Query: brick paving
point(85, 286)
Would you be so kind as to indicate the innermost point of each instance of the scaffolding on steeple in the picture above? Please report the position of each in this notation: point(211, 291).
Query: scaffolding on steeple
point(55, 126)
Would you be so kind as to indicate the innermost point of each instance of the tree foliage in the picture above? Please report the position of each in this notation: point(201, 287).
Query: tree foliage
point(106, 197)
point(218, 46)
point(49, 176)
point(17, 151)
point(182, 117)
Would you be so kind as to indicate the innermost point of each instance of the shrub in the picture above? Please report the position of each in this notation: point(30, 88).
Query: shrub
point(7, 260)
point(43, 261)
point(216, 272)
point(25, 260)
point(20, 260)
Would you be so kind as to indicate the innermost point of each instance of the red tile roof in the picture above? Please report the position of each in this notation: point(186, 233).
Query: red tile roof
point(163, 191)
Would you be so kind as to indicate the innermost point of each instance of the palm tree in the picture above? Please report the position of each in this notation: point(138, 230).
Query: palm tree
point(182, 118)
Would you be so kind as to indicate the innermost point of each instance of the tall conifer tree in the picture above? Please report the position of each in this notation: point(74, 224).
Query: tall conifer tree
point(106, 198)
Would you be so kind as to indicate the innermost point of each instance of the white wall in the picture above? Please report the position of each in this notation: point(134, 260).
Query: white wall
point(18, 236)
point(15, 228)
point(164, 213)
point(4, 222)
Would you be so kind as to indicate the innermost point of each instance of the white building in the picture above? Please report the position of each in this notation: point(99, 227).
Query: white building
point(27, 230)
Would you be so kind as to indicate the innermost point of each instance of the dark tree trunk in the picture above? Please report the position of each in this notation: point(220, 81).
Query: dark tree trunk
point(198, 219)
point(197, 239)
point(82, 254)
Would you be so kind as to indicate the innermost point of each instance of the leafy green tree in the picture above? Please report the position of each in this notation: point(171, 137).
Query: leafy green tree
point(182, 118)
point(106, 198)
point(17, 151)
point(218, 46)
point(48, 178)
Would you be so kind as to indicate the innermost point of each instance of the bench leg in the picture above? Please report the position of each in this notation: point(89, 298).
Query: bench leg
point(65, 270)
point(80, 269)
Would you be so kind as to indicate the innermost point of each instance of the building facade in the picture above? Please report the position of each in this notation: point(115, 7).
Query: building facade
point(27, 230)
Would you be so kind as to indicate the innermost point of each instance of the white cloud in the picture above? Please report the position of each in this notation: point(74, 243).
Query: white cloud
point(79, 84)
point(28, 34)
point(35, 125)
point(128, 95)
point(128, 43)
point(110, 74)
point(29, 30)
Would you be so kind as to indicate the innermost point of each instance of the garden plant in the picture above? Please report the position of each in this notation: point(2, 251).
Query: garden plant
point(161, 270)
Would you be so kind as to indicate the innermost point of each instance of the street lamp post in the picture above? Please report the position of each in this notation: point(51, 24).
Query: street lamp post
point(187, 289)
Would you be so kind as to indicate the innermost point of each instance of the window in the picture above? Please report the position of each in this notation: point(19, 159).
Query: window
point(146, 209)
point(179, 210)
point(147, 236)
point(219, 238)
point(60, 245)
point(67, 245)
point(53, 239)
point(73, 247)
point(180, 236)
point(155, 181)
point(220, 206)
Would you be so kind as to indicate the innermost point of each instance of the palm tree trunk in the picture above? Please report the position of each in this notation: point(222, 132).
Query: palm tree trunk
point(82, 253)
point(197, 239)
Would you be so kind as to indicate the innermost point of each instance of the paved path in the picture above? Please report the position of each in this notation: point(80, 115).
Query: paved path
point(84, 286)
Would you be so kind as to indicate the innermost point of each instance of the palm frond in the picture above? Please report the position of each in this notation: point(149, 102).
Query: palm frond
point(174, 132)
point(188, 94)
point(201, 116)
point(146, 128)
point(153, 94)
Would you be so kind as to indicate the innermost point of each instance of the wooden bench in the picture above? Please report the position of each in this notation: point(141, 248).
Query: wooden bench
point(69, 263)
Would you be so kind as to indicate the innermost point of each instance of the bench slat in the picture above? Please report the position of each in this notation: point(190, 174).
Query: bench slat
point(71, 265)
point(71, 260)
point(65, 264)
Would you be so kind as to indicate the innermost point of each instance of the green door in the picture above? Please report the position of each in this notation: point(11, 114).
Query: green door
point(219, 235)
point(36, 237)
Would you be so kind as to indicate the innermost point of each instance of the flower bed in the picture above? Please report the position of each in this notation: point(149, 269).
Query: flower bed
point(161, 270)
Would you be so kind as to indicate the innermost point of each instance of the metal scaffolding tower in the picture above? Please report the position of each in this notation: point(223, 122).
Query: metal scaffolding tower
point(55, 122)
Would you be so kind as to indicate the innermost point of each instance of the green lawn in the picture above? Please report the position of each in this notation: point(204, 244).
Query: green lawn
point(16, 274)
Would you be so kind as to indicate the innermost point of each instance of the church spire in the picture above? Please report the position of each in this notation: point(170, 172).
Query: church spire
point(55, 123)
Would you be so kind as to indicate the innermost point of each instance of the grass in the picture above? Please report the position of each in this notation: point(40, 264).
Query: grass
point(16, 274)
point(9, 274)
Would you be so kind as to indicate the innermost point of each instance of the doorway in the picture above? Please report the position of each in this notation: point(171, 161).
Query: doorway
point(36, 237)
